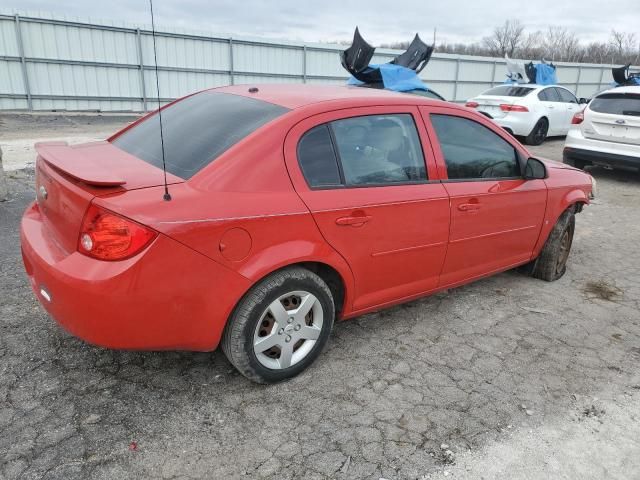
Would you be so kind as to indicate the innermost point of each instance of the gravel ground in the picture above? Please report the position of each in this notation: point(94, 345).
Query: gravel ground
point(508, 377)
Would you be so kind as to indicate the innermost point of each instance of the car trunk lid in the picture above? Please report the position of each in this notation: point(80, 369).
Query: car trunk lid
point(612, 128)
point(613, 117)
point(69, 177)
point(491, 104)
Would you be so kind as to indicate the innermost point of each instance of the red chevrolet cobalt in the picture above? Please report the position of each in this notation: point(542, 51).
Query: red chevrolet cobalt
point(290, 207)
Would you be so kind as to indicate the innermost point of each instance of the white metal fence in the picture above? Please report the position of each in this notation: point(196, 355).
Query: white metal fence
point(49, 63)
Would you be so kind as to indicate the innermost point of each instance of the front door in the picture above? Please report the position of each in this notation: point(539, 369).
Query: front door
point(365, 177)
point(496, 215)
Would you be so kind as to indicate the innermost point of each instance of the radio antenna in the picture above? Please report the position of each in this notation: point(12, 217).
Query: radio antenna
point(166, 195)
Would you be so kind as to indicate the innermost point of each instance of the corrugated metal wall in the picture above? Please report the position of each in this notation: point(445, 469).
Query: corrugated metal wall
point(58, 64)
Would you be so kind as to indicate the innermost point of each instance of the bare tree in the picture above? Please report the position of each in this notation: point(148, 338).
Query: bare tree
point(531, 46)
point(622, 42)
point(597, 52)
point(555, 44)
point(505, 39)
point(624, 46)
point(560, 44)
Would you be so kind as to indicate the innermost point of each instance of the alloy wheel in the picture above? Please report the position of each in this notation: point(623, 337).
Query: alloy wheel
point(541, 132)
point(288, 330)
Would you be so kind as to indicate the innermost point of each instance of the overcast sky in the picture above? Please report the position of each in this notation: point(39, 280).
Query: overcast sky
point(379, 21)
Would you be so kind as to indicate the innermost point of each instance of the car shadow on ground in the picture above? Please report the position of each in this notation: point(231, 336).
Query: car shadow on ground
point(617, 175)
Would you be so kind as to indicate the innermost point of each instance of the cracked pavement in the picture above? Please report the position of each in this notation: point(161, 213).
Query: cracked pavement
point(498, 371)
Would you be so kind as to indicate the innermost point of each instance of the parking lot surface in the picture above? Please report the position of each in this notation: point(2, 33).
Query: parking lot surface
point(509, 377)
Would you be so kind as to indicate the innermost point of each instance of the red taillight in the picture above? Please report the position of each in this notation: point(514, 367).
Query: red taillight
point(578, 118)
point(507, 107)
point(472, 104)
point(107, 236)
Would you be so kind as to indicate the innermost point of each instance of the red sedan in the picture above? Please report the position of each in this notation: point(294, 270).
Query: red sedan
point(291, 206)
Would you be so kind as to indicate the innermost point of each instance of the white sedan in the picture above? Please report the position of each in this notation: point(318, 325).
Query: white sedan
point(528, 110)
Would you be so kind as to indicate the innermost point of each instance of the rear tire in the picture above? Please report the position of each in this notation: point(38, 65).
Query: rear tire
point(551, 264)
point(538, 133)
point(280, 326)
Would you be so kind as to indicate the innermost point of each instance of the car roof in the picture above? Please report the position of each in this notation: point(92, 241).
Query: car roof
point(533, 86)
point(294, 96)
point(625, 89)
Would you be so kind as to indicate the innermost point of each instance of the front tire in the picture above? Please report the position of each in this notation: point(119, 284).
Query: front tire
point(280, 326)
point(539, 133)
point(552, 262)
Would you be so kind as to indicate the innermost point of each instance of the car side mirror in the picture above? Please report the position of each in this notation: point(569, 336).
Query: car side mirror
point(534, 169)
point(583, 101)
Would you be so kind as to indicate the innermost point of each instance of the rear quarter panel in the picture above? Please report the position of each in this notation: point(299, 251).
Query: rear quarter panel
point(240, 211)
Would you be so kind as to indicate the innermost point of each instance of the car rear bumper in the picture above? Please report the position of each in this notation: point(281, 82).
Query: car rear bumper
point(167, 297)
point(599, 152)
point(519, 123)
point(571, 156)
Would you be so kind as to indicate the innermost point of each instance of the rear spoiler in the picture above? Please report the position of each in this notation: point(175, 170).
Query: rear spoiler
point(622, 76)
point(515, 70)
point(543, 73)
point(356, 58)
point(416, 57)
point(75, 162)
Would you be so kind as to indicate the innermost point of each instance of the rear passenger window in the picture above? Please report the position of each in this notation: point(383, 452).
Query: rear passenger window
point(317, 158)
point(359, 151)
point(379, 150)
point(472, 151)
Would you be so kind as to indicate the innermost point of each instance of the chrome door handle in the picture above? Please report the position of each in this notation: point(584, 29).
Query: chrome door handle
point(355, 221)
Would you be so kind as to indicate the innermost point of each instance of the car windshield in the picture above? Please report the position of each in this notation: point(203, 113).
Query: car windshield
point(196, 130)
point(509, 91)
point(617, 104)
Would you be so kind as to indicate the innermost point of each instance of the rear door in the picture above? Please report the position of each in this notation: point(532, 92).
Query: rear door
point(553, 109)
point(496, 215)
point(366, 179)
point(570, 107)
point(613, 117)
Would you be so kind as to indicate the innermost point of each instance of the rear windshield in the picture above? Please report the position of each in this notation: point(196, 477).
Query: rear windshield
point(617, 104)
point(509, 91)
point(197, 130)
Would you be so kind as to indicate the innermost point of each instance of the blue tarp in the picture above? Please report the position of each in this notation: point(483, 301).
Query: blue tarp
point(395, 77)
point(546, 74)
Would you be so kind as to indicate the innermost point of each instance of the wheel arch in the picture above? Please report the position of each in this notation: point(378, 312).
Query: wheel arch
point(324, 262)
point(543, 117)
point(573, 200)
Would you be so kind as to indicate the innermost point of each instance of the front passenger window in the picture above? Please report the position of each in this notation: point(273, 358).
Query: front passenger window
point(472, 151)
point(566, 96)
point(549, 95)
